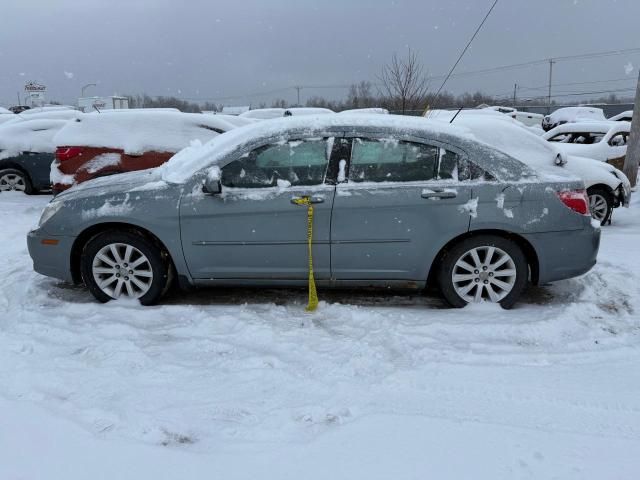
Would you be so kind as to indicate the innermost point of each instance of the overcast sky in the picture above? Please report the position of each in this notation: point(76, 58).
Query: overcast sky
point(208, 50)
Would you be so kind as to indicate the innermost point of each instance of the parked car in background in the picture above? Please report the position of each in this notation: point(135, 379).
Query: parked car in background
point(45, 115)
point(625, 116)
point(26, 153)
point(527, 118)
point(397, 201)
point(112, 142)
point(607, 187)
point(268, 113)
point(6, 115)
point(603, 141)
point(570, 115)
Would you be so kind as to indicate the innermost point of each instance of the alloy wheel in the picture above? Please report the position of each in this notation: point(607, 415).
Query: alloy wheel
point(121, 270)
point(12, 181)
point(484, 273)
point(598, 206)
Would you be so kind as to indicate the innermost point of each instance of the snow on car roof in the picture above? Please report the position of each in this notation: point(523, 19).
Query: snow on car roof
point(269, 113)
point(5, 110)
point(141, 131)
point(380, 111)
point(595, 127)
point(66, 114)
point(29, 136)
point(196, 157)
point(572, 114)
point(52, 108)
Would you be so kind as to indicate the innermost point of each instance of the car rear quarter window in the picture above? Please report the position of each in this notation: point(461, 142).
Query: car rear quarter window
point(300, 162)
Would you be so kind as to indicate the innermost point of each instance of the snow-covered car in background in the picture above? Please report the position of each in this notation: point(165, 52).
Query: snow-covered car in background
point(607, 187)
point(396, 201)
point(570, 115)
point(603, 141)
point(268, 113)
point(625, 116)
point(527, 118)
point(26, 153)
point(112, 142)
point(5, 115)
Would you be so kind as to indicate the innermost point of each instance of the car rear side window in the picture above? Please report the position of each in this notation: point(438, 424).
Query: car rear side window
point(392, 161)
point(300, 162)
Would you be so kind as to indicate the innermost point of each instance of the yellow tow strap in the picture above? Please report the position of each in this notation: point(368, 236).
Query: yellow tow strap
point(313, 295)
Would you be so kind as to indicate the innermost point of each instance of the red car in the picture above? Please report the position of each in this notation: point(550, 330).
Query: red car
point(107, 143)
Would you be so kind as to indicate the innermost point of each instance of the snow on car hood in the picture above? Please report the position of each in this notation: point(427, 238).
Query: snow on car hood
point(138, 181)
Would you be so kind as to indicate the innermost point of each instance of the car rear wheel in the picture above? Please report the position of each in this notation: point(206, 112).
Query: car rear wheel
point(483, 268)
point(124, 265)
point(600, 204)
point(14, 180)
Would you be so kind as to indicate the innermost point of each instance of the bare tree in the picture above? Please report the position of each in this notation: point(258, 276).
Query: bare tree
point(404, 82)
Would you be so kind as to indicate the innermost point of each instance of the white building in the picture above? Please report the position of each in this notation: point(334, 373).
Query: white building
point(91, 104)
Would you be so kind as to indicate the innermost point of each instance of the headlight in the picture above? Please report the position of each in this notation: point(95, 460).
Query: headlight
point(49, 211)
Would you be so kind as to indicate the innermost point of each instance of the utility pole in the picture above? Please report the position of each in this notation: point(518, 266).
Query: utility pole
point(515, 88)
point(633, 146)
point(298, 89)
point(551, 62)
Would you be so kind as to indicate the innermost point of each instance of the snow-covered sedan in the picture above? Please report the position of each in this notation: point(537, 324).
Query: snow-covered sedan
point(607, 186)
point(603, 141)
point(394, 202)
point(571, 115)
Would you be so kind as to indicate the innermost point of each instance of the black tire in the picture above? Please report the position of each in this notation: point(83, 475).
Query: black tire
point(28, 186)
point(158, 260)
point(608, 198)
point(459, 250)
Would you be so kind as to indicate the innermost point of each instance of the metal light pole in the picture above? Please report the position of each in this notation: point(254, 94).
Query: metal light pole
point(85, 87)
point(551, 62)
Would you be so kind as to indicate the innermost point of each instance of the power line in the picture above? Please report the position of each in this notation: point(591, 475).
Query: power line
point(465, 49)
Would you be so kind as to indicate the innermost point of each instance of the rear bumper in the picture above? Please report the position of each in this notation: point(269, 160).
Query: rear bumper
point(51, 260)
point(566, 254)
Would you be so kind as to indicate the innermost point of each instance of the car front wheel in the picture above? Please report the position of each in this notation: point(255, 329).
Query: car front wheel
point(483, 268)
point(117, 264)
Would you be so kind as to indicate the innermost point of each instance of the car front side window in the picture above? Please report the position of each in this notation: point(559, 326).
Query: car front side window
point(300, 162)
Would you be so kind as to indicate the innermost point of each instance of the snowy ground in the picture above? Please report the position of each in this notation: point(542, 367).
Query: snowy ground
point(244, 384)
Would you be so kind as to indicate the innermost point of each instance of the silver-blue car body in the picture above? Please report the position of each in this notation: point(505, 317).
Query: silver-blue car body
point(396, 203)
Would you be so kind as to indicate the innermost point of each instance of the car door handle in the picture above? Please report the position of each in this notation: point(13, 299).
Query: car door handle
point(297, 200)
point(438, 193)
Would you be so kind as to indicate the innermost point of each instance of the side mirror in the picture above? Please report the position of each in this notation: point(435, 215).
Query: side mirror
point(212, 184)
point(561, 159)
point(212, 187)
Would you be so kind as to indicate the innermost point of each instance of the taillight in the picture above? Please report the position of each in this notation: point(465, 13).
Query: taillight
point(67, 153)
point(576, 200)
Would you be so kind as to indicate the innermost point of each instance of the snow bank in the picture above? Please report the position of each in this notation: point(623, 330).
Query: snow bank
point(137, 132)
point(242, 383)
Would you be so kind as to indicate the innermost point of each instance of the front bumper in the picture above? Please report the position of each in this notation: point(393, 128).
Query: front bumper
point(52, 260)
